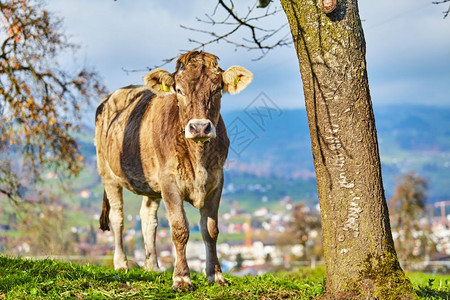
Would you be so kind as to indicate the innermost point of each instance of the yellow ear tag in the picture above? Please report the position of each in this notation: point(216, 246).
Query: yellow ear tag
point(236, 81)
point(164, 87)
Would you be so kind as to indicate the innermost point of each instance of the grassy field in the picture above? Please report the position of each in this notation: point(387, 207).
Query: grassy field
point(39, 279)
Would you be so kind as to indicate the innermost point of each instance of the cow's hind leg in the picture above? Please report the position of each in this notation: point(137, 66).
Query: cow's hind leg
point(114, 194)
point(149, 220)
point(210, 232)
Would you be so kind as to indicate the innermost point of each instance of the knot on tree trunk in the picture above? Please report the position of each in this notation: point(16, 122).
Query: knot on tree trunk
point(328, 6)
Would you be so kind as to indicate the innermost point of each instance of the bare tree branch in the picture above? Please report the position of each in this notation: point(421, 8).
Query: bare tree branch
point(147, 69)
point(261, 38)
point(446, 12)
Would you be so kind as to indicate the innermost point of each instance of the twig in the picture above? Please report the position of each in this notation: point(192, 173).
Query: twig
point(447, 12)
point(259, 37)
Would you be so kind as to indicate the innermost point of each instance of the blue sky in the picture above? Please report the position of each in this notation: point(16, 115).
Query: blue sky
point(408, 47)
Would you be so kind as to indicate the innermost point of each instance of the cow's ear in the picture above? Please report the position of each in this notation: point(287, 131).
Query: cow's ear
point(160, 82)
point(235, 79)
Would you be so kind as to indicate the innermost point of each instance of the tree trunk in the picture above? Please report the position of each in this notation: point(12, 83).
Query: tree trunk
point(358, 247)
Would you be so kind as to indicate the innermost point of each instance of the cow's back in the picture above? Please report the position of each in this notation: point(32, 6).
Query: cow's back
point(117, 136)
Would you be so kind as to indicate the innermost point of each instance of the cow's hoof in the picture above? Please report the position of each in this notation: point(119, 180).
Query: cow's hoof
point(119, 266)
point(120, 262)
point(218, 279)
point(150, 267)
point(182, 283)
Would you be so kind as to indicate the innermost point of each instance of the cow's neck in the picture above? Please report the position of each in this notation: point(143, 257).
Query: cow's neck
point(199, 154)
point(200, 161)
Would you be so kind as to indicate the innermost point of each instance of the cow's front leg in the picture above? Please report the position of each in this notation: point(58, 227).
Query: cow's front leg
point(114, 195)
point(179, 230)
point(149, 221)
point(210, 232)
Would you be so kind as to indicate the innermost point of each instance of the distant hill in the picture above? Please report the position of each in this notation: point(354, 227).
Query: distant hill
point(411, 138)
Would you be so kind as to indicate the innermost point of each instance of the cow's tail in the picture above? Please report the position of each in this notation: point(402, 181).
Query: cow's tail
point(104, 217)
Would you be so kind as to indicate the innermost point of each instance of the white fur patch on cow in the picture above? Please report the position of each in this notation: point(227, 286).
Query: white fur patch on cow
point(210, 135)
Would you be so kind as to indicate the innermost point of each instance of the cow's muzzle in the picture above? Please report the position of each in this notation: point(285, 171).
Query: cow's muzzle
point(200, 130)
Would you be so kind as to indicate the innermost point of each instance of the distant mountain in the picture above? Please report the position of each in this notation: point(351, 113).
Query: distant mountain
point(280, 146)
point(277, 143)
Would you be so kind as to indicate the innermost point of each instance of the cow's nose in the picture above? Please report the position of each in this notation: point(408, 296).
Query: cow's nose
point(200, 129)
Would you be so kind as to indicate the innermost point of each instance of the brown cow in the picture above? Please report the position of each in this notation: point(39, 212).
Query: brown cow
point(167, 140)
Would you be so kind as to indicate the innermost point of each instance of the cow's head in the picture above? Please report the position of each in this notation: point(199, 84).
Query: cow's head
point(198, 83)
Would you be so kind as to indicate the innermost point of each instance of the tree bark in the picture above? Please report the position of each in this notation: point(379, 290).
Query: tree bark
point(358, 246)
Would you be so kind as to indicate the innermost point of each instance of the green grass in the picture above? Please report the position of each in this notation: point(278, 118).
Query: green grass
point(39, 279)
point(430, 286)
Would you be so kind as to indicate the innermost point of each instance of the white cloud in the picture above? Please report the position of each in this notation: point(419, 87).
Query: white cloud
point(407, 49)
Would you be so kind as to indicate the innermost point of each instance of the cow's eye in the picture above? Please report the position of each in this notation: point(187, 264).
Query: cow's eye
point(180, 92)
